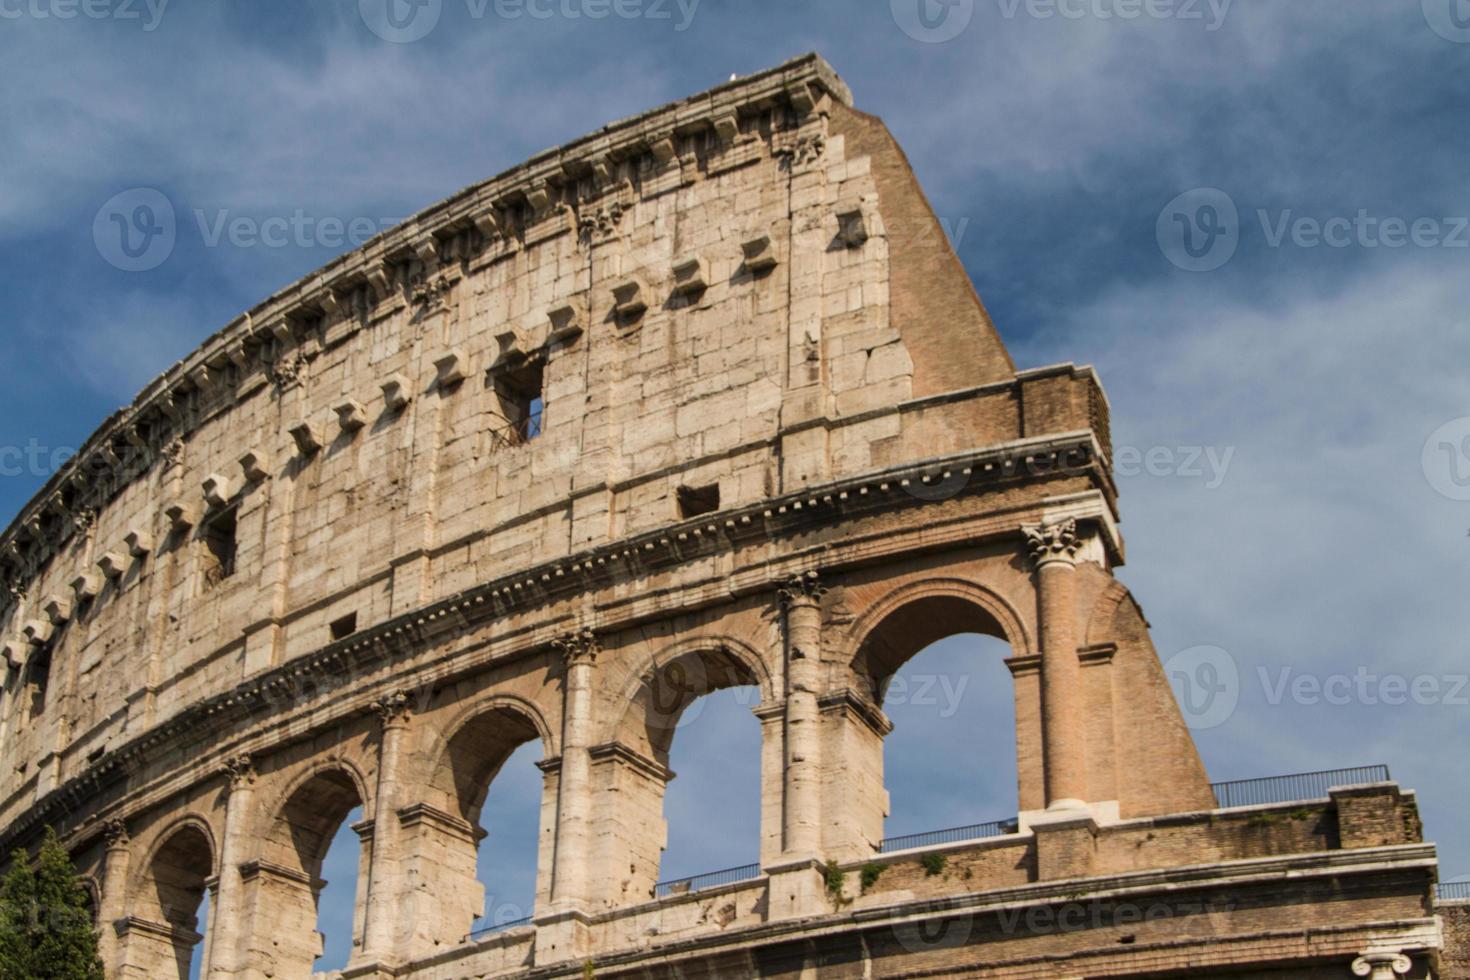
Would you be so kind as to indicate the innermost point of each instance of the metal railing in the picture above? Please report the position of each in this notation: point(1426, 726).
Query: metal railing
point(490, 930)
point(519, 433)
point(1289, 789)
point(1452, 891)
point(978, 831)
point(682, 886)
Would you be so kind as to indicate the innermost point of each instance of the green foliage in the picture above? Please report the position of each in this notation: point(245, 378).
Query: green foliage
point(871, 872)
point(45, 928)
point(834, 877)
point(933, 864)
point(588, 973)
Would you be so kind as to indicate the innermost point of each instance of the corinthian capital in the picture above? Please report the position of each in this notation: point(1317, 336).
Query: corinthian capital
point(805, 587)
point(115, 832)
point(1386, 965)
point(239, 770)
point(393, 708)
point(1053, 542)
point(580, 646)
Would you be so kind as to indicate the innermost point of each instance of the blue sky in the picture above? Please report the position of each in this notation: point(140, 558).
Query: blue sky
point(1289, 401)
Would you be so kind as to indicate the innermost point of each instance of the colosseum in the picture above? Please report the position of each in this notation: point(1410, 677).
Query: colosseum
point(703, 399)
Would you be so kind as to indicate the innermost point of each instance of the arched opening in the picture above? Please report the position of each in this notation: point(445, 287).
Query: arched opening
point(936, 665)
point(173, 897)
point(288, 883)
point(336, 904)
point(485, 841)
point(696, 710)
point(713, 808)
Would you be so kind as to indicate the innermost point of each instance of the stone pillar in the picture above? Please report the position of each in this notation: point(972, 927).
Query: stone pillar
point(574, 791)
point(1382, 965)
point(561, 931)
point(383, 892)
point(802, 820)
point(1064, 735)
point(225, 946)
point(113, 902)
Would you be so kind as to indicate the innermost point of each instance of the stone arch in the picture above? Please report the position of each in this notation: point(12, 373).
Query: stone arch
point(1101, 618)
point(441, 836)
point(631, 766)
point(910, 617)
point(884, 637)
point(665, 683)
point(162, 928)
point(283, 884)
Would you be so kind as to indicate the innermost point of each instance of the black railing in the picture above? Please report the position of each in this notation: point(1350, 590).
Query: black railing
point(491, 930)
point(682, 886)
point(995, 828)
point(1453, 891)
point(518, 433)
point(1289, 789)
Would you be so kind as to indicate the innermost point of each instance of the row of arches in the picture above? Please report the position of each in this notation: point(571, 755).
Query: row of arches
point(935, 664)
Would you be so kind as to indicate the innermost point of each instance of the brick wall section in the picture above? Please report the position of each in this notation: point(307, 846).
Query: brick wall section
point(1454, 964)
point(947, 332)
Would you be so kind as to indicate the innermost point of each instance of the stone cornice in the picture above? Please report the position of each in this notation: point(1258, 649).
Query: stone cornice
point(667, 548)
point(273, 330)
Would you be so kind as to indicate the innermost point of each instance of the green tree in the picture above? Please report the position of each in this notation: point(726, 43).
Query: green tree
point(45, 926)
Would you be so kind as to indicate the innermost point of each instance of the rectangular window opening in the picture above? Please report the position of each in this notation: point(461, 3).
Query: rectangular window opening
point(694, 501)
point(220, 547)
point(344, 627)
point(38, 679)
point(523, 401)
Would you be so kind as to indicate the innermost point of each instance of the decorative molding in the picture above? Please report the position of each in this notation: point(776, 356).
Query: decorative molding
point(602, 222)
point(115, 833)
point(805, 588)
point(1382, 965)
point(578, 647)
point(394, 710)
point(1050, 543)
point(239, 770)
point(385, 643)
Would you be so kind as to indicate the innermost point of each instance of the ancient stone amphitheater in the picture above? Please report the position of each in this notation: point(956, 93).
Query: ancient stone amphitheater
point(703, 399)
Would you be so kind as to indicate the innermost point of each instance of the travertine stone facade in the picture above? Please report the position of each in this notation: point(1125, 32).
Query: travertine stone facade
point(704, 399)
